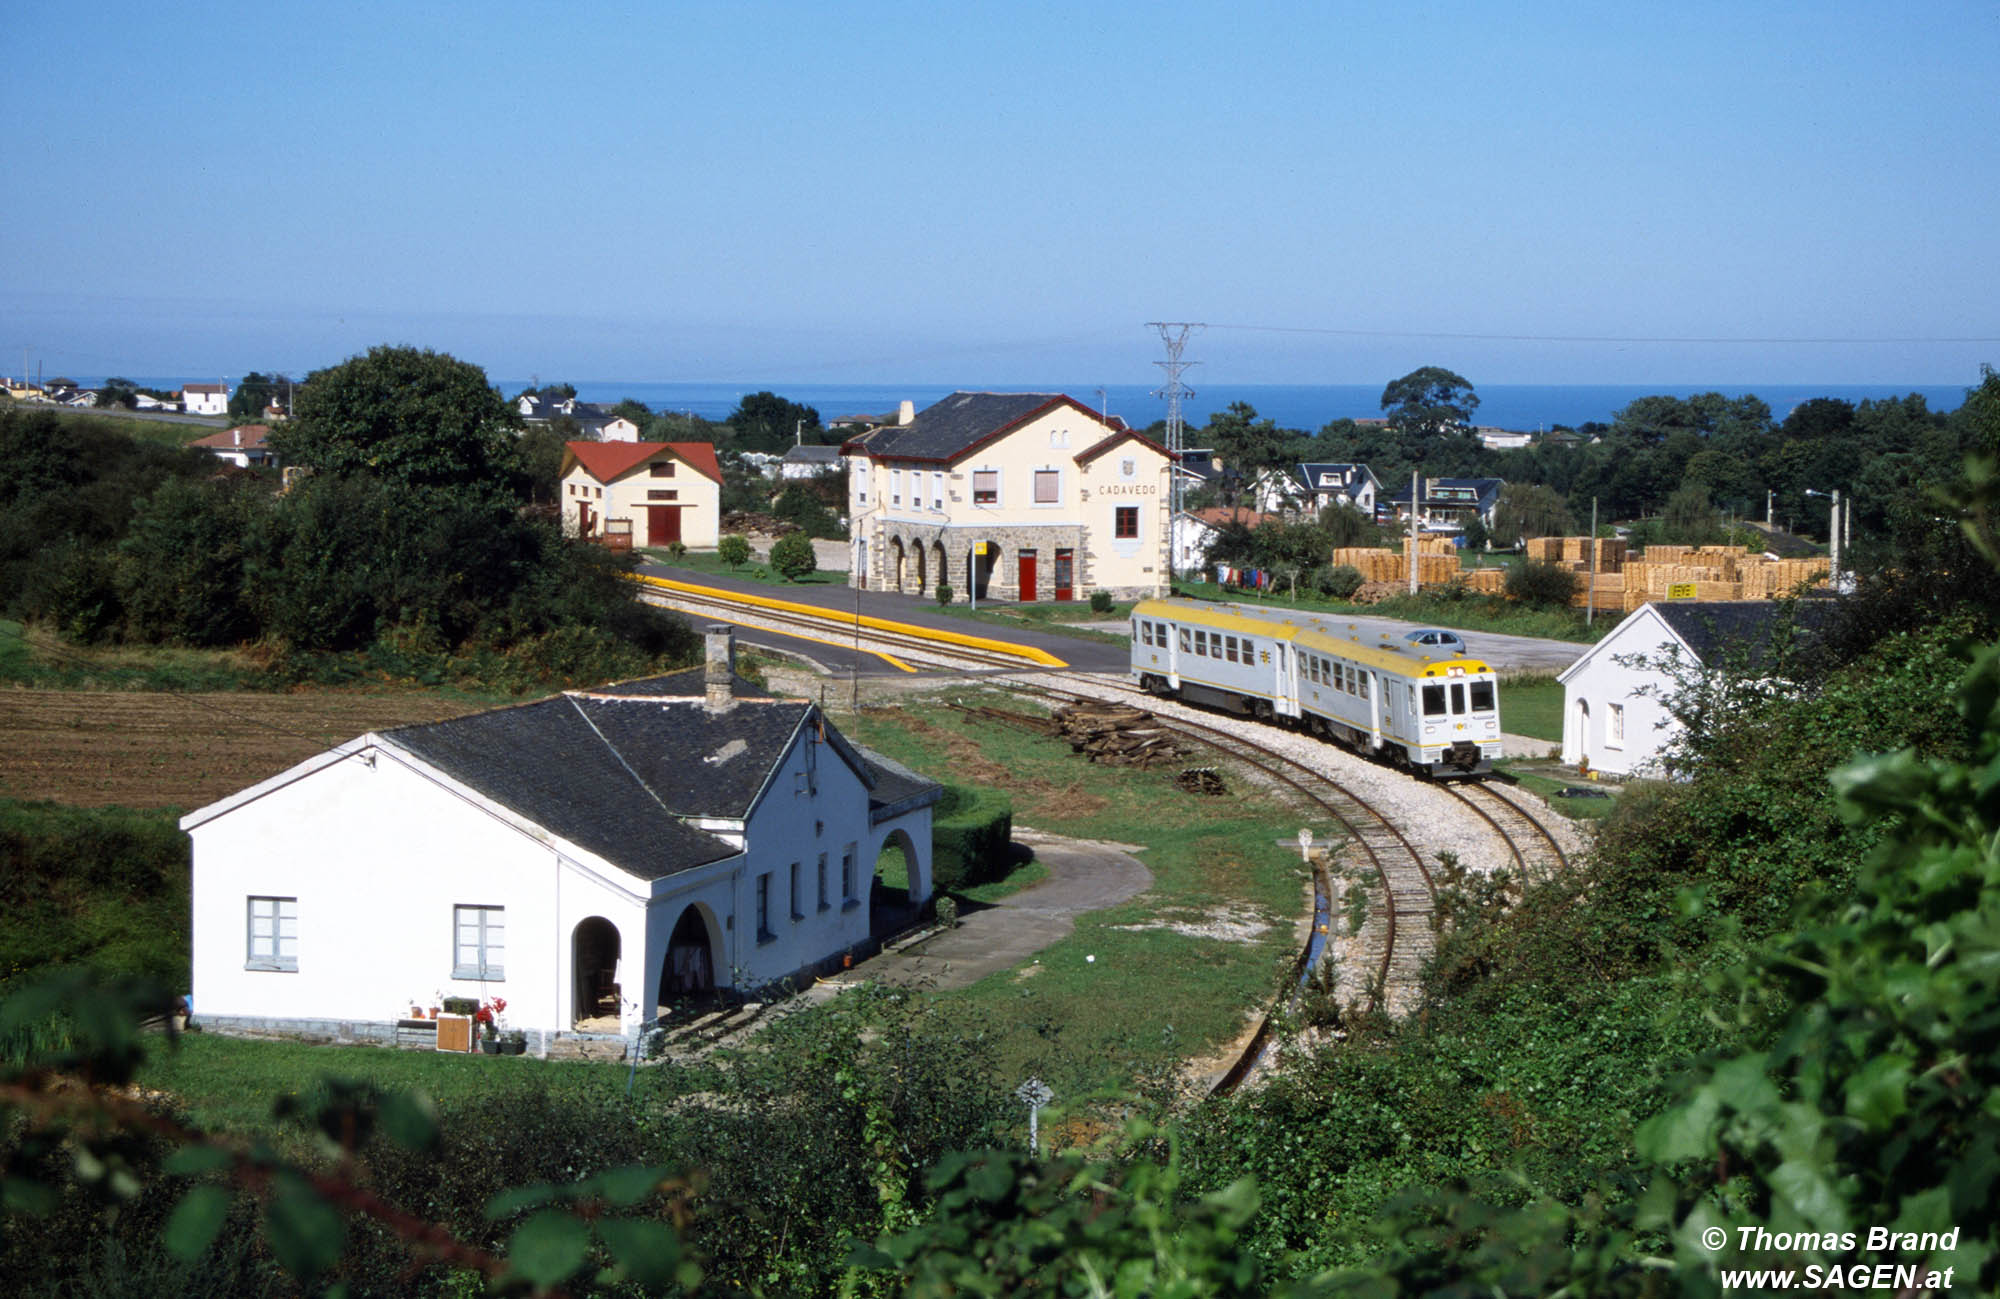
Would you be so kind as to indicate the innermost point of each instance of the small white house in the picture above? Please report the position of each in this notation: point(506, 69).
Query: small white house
point(205, 398)
point(242, 446)
point(1614, 715)
point(595, 856)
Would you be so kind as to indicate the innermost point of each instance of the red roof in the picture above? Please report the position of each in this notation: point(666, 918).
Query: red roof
point(1219, 516)
point(607, 460)
point(244, 437)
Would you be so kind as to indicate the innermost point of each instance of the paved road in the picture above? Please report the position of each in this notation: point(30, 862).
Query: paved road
point(1083, 876)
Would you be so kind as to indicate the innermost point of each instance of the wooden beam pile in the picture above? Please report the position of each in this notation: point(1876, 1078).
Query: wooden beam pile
point(1116, 735)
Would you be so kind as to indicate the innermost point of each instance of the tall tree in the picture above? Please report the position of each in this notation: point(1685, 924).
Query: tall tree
point(406, 415)
point(764, 421)
point(1431, 400)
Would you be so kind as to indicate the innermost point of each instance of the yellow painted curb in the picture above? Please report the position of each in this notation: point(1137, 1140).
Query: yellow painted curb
point(1028, 652)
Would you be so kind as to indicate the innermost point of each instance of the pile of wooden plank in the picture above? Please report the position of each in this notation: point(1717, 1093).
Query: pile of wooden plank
point(1486, 581)
point(1116, 735)
point(1574, 552)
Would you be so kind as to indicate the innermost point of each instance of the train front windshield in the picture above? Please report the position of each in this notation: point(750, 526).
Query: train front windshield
point(1478, 695)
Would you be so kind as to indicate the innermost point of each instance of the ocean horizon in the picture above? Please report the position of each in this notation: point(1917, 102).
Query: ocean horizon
point(1304, 407)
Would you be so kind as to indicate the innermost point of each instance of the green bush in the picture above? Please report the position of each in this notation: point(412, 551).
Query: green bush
point(944, 593)
point(972, 832)
point(1338, 581)
point(1541, 585)
point(733, 550)
point(1101, 601)
point(792, 555)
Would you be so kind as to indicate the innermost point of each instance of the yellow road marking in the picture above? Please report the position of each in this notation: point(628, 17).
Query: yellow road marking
point(1027, 652)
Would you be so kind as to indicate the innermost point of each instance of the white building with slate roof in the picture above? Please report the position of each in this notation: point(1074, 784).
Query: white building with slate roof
point(1010, 495)
point(1615, 718)
point(600, 852)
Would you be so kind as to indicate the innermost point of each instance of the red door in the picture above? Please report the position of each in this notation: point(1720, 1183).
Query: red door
point(1065, 575)
point(1027, 575)
point(585, 525)
point(663, 525)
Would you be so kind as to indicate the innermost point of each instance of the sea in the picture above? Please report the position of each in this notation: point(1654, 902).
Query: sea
point(1304, 407)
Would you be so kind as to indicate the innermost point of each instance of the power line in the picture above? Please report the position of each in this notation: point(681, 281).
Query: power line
point(1174, 333)
point(1575, 338)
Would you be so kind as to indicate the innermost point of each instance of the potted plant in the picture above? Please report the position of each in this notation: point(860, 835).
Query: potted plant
point(486, 1021)
point(514, 1043)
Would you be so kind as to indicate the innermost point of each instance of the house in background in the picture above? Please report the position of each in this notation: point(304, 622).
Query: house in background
point(592, 421)
point(1196, 530)
point(809, 462)
point(659, 492)
point(242, 446)
point(1340, 484)
point(1614, 716)
point(1016, 496)
point(1447, 504)
point(592, 858)
point(205, 398)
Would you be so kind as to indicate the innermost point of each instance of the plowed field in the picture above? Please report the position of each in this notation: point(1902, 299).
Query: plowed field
point(94, 748)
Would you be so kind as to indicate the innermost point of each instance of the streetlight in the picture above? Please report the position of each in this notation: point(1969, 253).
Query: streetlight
point(1833, 530)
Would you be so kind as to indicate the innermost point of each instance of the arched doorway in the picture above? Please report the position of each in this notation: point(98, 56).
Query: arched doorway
point(898, 886)
point(594, 973)
point(917, 553)
point(896, 564)
point(979, 568)
point(689, 971)
point(939, 565)
point(1583, 730)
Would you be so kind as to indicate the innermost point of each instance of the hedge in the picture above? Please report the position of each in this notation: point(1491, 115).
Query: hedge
point(972, 831)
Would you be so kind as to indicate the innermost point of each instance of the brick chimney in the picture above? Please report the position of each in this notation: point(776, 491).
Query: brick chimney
point(721, 668)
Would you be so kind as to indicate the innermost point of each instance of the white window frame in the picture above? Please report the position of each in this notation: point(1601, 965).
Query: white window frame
point(1035, 489)
point(489, 936)
point(1614, 726)
point(895, 487)
point(976, 475)
point(937, 490)
point(266, 944)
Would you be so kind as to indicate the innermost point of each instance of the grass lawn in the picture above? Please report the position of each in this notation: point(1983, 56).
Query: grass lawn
point(1581, 809)
point(1153, 995)
point(706, 562)
point(1532, 705)
point(229, 1084)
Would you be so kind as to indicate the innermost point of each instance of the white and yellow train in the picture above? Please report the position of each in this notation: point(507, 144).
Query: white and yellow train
point(1437, 713)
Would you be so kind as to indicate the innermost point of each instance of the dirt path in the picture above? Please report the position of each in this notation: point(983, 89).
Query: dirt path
point(96, 748)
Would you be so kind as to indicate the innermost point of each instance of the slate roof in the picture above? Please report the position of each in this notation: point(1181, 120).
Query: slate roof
point(1313, 473)
point(1739, 634)
point(812, 455)
point(618, 771)
point(952, 427)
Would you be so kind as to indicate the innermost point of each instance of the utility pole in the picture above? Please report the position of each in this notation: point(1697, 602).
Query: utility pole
point(1174, 333)
point(1833, 538)
point(1590, 596)
point(1411, 545)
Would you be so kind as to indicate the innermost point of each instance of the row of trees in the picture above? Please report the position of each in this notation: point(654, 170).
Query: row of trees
point(415, 526)
point(1702, 456)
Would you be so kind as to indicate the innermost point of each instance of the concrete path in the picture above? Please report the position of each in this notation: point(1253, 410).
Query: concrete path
point(1083, 876)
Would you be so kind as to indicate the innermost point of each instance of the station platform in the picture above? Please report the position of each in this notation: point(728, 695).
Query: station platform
point(917, 615)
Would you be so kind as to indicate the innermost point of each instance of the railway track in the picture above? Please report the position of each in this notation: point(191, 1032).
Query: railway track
point(1396, 939)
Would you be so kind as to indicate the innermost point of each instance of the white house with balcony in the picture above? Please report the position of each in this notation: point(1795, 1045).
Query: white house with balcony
point(1014, 496)
point(601, 855)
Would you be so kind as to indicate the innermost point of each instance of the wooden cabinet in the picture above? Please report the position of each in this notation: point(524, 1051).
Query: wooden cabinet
point(454, 1032)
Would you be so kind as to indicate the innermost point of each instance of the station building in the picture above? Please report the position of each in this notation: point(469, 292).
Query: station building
point(1009, 496)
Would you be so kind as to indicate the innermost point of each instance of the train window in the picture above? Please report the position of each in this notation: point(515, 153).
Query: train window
point(1364, 685)
point(1312, 668)
point(1434, 701)
point(1458, 698)
point(1229, 648)
point(1201, 642)
point(1482, 696)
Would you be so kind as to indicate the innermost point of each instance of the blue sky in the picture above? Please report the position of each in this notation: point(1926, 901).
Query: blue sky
point(1006, 193)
